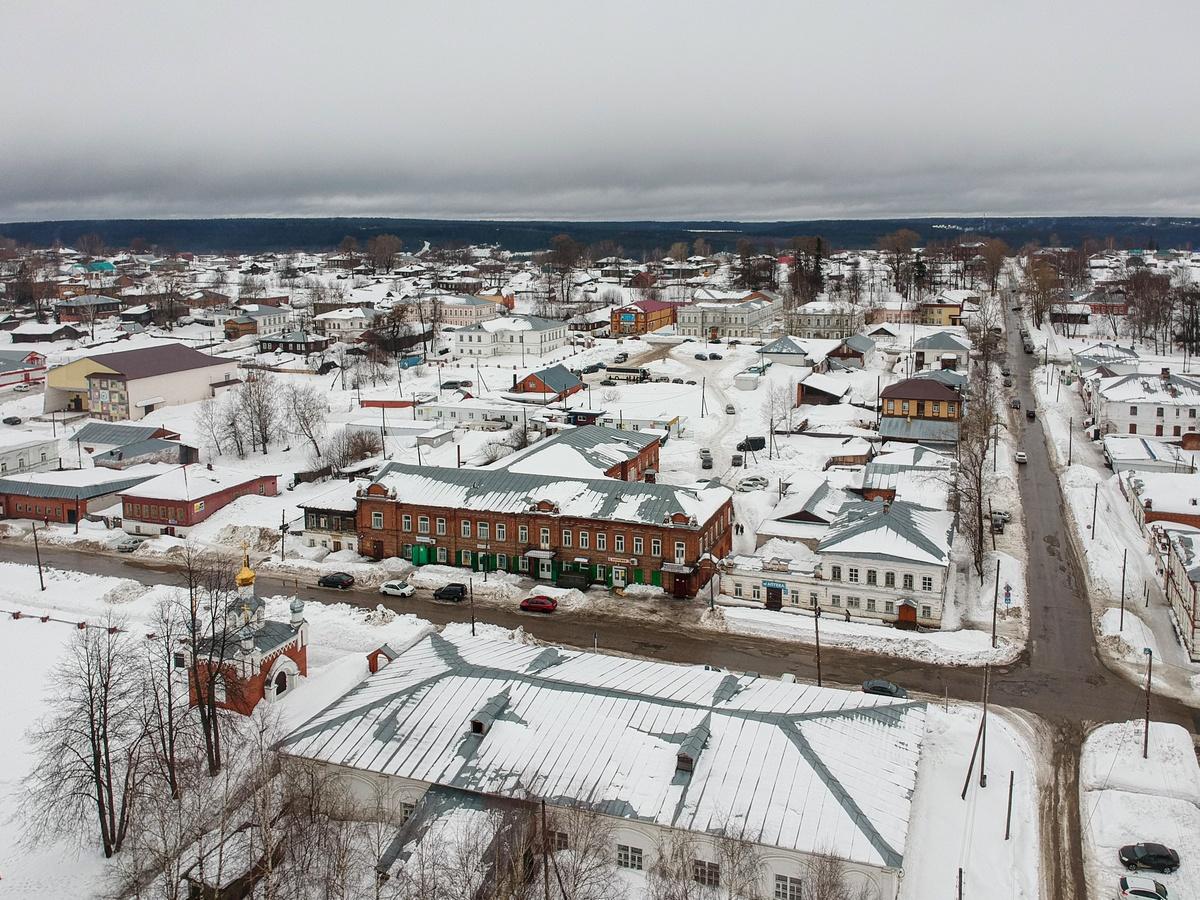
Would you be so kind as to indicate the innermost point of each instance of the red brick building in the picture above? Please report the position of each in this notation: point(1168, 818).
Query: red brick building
point(252, 658)
point(551, 384)
point(185, 496)
point(574, 531)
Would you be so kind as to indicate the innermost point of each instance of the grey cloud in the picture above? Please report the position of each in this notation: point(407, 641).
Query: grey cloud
point(561, 110)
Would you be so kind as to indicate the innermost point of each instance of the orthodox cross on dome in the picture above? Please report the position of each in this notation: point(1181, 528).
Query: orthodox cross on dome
point(245, 578)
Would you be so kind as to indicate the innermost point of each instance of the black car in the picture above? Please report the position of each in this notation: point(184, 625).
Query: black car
point(1030, 414)
point(608, 382)
point(676, 381)
point(588, 370)
point(715, 356)
point(1154, 857)
point(453, 591)
point(12, 420)
point(883, 688)
point(752, 443)
point(702, 356)
point(340, 580)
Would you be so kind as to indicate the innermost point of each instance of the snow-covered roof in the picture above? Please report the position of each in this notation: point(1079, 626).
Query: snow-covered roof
point(513, 493)
point(790, 765)
point(1169, 492)
point(1169, 390)
point(896, 530)
point(514, 323)
point(193, 482)
point(585, 452)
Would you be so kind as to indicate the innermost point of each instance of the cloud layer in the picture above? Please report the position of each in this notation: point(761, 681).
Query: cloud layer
point(571, 111)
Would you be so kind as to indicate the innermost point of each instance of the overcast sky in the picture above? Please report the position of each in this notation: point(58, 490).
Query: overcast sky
point(560, 109)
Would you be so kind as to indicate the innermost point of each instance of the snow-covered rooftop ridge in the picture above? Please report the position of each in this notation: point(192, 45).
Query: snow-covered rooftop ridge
point(895, 530)
point(192, 482)
point(789, 765)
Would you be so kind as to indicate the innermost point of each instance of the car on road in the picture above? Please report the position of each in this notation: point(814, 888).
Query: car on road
point(1020, 457)
point(676, 381)
point(12, 420)
point(1006, 372)
point(1030, 415)
point(703, 357)
point(659, 379)
point(1141, 886)
point(21, 388)
point(691, 381)
point(1029, 348)
point(1016, 403)
point(1155, 857)
point(398, 588)
point(752, 483)
point(343, 581)
point(129, 544)
point(706, 462)
point(1008, 382)
point(715, 356)
point(1017, 308)
point(704, 451)
point(608, 382)
point(1002, 514)
point(540, 603)
point(883, 688)
point(591, 369)
point(730, 410)
point(453, 591)
point(620, 358)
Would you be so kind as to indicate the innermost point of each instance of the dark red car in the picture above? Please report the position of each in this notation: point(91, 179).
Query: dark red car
point(539, 604)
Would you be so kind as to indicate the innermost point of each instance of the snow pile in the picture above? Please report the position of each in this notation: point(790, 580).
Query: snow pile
point(1126, 799)
point(642, 590)
point(1128, 643)
point(487, 630)
point(953, 648)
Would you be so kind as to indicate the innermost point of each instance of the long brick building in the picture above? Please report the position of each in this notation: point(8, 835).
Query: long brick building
point(572, 530)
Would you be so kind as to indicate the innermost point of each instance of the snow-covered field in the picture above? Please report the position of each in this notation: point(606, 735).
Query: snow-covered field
point(1125, 799)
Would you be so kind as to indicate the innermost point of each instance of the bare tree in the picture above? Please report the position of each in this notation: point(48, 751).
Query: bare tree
point(209, 422)
point(90, 747)
point(994, 254)
point(306, 411)
point(347, 446)
point(897, 248)
point(382, 251)
point(258, 398)
point(165, 697)
point(825, 878)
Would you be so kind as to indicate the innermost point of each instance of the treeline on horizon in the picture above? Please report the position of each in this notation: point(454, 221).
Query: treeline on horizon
point(636, 239)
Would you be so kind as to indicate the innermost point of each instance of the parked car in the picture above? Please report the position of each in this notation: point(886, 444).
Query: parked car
point(12, 420)
point(451, 385)
point(453, 591)
point(398, 588)
point(659, 379)
point(1155, 857)
point(343, 581)
point(608, 382)
point(21, 388)
point(704, 451)
point(730, 410)
point(752, 443)
point(1016, 403)
point(1017, 308)
point(1029, 348)
point(129, 544)
point(702, 356)
point(539, 603)
point(706, 462)
point(1020, 457)
point(1030, 414)
point(1141, 886)
point(752, 483)
point(1006, 372)
point(715, 356)
point(691, 381)
point(1002, 514)
point(589, 370)
point(621, 357)
point(736, 460)
point(883, 688)
point(1008, 382)
point(676, 381)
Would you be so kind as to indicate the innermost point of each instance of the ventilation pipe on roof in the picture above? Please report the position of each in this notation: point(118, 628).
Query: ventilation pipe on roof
point(689, 750)
point(481, 722)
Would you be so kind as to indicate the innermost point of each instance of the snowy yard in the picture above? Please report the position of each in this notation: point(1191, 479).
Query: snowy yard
point(1126, 799)
point(948, 832)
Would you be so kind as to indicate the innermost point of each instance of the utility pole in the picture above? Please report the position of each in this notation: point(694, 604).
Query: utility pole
point(545, 853)
point(1070, 440)
point(1124, 560)
point(41, 580)
point(1008, 815)
point(1095, 500)
point(995, 602)
point(1149, 676)
point(282, 533)
point(471, 589)
point(987, 684)
point(817, 626)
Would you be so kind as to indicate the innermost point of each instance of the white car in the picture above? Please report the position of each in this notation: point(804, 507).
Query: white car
point(752, 483)
point(21, 388)
point(1141, 886)
point(1020, 457)
point(129, 544)
point(397, 589)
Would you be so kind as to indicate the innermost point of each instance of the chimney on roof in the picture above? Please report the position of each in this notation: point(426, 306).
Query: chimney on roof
point(689, 750)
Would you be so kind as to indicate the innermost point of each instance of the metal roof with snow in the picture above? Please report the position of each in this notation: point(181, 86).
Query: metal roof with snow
point(789, 765)
point(114, 433)
point(897, 530)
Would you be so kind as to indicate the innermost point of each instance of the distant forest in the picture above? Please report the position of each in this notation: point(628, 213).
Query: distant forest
point(635, 238)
